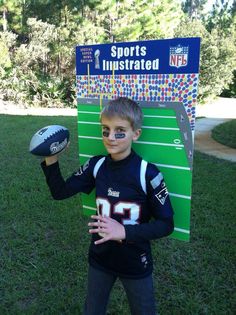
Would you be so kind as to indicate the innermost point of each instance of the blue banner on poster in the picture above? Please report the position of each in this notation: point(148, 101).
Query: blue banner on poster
point(178, 55)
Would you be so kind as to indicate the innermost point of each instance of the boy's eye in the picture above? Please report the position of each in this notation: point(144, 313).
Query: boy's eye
point(105, 133)
point(120, 130)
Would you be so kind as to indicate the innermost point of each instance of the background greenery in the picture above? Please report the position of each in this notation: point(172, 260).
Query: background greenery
point(38, 39)
point(44, 243)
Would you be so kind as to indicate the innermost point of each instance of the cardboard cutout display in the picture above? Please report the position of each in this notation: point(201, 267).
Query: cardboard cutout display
point(162, 76)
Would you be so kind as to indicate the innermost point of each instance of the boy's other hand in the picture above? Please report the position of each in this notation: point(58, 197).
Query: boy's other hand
point(110, 228)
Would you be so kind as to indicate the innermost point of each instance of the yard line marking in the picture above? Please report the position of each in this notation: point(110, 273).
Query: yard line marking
point(87, 112)
point(180, 196)
point(88, 122)
point(173, 166)
point(149, 116)
point(182, 230)
point(85, 155)
point(158, 116)
point(160, 143)
point(161, 128)
point(88, 137)
point(90, 208)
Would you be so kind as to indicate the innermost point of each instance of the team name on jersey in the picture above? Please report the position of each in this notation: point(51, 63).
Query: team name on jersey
point(113, 193)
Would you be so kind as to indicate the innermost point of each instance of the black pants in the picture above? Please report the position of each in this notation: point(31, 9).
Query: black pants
point(140, 293)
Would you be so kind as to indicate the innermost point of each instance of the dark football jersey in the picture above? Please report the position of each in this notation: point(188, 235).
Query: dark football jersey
point(131, 191)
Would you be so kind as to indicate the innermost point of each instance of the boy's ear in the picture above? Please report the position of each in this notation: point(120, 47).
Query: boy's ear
point(137, 134)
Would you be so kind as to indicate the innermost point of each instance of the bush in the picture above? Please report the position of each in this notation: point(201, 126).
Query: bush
point(231, 91)
point(7, 40)
point(39, 72)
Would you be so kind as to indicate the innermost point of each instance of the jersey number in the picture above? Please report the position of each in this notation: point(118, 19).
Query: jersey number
point(121, 208)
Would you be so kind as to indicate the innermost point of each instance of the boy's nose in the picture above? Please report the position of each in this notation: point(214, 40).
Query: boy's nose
point(111, 136)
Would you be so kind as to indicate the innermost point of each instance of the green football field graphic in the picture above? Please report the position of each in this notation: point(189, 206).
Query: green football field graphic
point(166, 141)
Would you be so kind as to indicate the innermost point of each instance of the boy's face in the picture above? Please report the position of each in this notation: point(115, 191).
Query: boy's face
point(118, 136)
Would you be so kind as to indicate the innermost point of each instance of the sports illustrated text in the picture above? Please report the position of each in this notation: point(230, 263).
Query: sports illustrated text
point(137, 57)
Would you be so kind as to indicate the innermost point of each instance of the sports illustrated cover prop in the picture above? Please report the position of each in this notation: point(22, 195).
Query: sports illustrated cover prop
point(162, 76)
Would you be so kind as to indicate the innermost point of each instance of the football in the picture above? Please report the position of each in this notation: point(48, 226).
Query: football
point(49, 140)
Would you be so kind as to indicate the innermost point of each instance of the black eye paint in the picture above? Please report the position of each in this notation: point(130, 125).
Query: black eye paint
point(118, 135)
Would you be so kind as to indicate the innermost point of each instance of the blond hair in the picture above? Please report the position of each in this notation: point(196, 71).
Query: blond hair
point(124, 108)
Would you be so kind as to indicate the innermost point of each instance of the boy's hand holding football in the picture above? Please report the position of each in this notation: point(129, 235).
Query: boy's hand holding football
point(54, 158)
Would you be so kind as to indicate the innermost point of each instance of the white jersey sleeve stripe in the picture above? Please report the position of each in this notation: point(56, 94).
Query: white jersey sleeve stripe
point(142, 175)
point(155, 182)
point(97, 166)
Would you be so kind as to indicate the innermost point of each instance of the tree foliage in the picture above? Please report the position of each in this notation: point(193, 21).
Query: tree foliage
point(223, 18)
point(217, 57)
point(38, 39)
point(194, 8)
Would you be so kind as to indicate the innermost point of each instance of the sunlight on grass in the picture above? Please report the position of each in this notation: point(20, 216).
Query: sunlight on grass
point(226, 133)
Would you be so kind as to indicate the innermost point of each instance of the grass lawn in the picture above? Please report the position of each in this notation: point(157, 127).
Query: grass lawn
point(226, 133)
point(44, 243)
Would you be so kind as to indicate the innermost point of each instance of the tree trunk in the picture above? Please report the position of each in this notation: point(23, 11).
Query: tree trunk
point(4, 20)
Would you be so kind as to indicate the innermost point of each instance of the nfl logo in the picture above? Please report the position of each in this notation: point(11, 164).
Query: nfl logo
point(178, 56)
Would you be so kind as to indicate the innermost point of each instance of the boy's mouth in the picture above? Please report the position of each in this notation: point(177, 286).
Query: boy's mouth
point(111, 145)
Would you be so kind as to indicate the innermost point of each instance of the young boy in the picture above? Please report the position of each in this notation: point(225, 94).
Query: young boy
point(129, 192)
